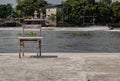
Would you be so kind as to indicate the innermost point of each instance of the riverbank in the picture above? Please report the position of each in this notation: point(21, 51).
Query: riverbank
point(60, 67)
point(91, 28)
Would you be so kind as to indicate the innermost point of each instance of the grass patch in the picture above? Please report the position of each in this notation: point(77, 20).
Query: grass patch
point(32, 34)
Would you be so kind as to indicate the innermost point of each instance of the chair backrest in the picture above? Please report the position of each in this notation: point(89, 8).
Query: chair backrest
point(32, 24)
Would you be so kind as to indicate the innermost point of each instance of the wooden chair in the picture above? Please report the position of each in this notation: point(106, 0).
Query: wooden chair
point(27, 24)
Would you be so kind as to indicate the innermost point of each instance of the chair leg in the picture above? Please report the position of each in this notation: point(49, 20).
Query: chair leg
point(37, 50)
point(39, 47)
point(20, 49)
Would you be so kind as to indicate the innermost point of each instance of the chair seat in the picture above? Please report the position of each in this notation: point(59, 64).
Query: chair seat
point(30, 37)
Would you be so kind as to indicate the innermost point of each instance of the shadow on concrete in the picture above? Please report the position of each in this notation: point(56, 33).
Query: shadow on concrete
point(44, 56)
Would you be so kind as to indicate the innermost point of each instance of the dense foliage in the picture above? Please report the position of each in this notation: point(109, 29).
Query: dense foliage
point(5, 11)
point(27, 7)
point(74, 11)
point(80, 11)
point(116, 11)
point(103, 13)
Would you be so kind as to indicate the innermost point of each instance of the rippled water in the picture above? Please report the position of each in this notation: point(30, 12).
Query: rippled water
point(64, 41)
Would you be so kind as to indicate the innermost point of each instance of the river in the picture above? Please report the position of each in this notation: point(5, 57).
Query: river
point(83, 40)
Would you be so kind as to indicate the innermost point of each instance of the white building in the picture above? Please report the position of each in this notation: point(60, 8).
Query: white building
point(52, 11)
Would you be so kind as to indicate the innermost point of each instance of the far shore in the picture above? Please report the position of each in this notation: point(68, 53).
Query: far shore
point(91, 28)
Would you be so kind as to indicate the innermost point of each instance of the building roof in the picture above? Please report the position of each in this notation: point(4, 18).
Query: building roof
point(55, 6)
point(18, 1)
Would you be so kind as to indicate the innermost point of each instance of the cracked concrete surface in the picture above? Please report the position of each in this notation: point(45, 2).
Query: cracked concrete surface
point(61, 67)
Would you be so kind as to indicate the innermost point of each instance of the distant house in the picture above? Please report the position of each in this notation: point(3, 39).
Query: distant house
point(51, 13)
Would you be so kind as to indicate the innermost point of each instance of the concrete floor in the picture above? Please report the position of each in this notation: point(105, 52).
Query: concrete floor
point(60, 67)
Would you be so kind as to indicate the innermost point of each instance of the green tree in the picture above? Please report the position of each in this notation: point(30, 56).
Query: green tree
point(74, 10)
point(116, 11)
point(5, 10)
point(80, 11)
point(103, 12)
point(27, 7)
